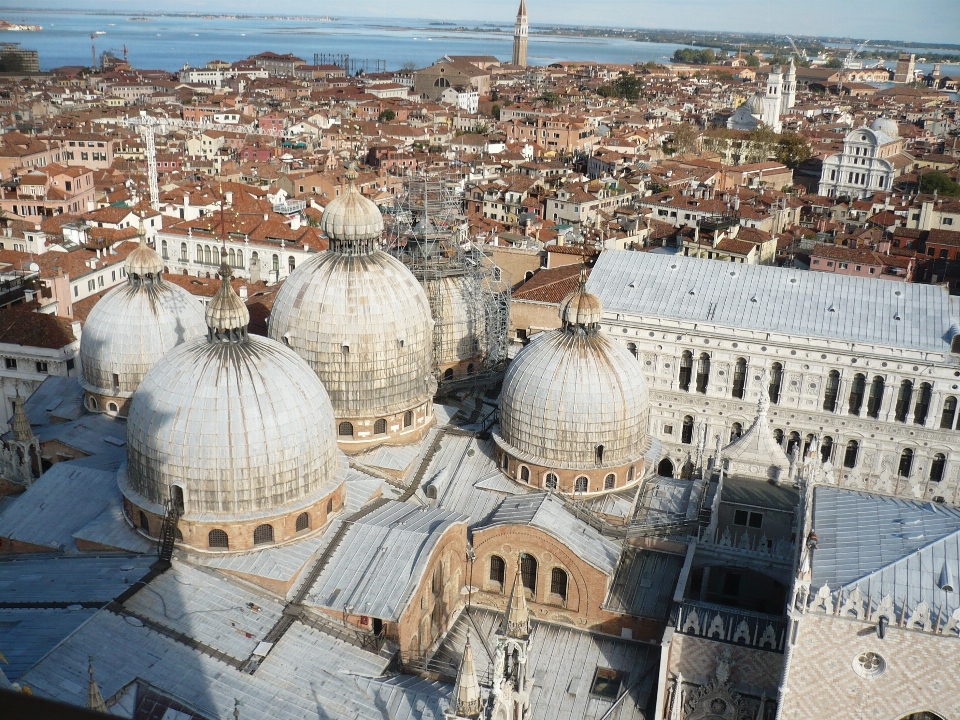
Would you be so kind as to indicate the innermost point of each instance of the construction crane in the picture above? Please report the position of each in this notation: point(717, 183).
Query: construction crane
point(850, 62)
point(148, 126)
point(801, 54)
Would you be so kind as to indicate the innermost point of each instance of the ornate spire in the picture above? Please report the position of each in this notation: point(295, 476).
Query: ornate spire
point(466, 692)
point(144, 263)
point(94, 698)
point(227, 316)
point(516, 620)
point(22, 432)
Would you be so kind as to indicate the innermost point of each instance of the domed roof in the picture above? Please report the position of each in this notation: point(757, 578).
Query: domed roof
point(144, 260)
point(240, 423)
point(351, 218)
point(363, 324)
point(134, 325)
point(580, 307)
point(887, 126)
point(573, 390)
point(755, 103)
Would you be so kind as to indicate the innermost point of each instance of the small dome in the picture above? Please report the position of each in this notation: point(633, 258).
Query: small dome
point(351, 218)
point(572, 391)
point(144, 260)
point(755, 104)
point(887, 126)
point(131, 328)
point(581, 308)
point(226, 311)
point(240, 424)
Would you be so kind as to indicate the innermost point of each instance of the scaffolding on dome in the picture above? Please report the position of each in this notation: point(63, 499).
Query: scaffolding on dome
point(470, 303)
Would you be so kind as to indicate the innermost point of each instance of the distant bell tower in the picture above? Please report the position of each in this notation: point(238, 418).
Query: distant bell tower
point(520, 36)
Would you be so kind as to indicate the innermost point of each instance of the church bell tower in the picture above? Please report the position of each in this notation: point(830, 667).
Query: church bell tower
point(520, 31)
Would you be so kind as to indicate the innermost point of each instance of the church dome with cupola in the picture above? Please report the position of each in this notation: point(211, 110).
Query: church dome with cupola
point(361, 320)
point(234, 433)
point(574, 407)
point(131, 328)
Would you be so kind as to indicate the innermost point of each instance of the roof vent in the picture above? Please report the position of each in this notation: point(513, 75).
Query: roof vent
point(692, 292)
point(946, 581)
point(832, 308)
point(793, 281)
point(754, 299)
point(897, 317)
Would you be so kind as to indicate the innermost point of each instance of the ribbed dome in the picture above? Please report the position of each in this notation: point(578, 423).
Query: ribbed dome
point(240, 427)
point(363, 324)
point(887, 126)
point(351, 218)
point(567, 393)
point(226, 310)
point(132, 327)
point(581, 308)
point(144, 260)
point(755, 104)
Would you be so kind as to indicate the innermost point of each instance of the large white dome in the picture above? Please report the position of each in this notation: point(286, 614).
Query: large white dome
point(239, 423)
point(359, 317)
point(134, 325)
point(573, 390)
point(887, 126)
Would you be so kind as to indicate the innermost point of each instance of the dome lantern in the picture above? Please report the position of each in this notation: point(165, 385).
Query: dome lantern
point(352, 223)
point(227, 317)
point(581, 311)
point(144, 264)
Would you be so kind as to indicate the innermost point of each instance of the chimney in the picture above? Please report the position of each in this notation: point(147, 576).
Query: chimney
point(186, 200)
point(243, 292)
point(295, 222)
point(228, 198)
point(266, 217)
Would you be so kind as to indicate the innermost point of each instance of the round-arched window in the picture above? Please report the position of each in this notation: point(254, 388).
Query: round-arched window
point(550, 482)
point(380, 427)
point(609, 482)
point(218, 539)
point(524, 473)
point(263, 534)
point(581, 484)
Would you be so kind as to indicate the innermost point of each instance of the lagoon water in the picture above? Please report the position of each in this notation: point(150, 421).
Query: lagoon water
point(169, 42)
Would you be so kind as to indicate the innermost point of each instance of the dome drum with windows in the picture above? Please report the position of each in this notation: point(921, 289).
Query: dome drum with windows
point(132, 327)
point(574, 407)
point(361, 320)
point(236, 435)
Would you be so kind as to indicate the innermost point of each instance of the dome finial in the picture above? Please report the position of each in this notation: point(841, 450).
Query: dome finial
point(227, 316)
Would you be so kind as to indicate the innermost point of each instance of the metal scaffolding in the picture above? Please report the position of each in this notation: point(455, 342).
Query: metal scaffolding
point(470, 303)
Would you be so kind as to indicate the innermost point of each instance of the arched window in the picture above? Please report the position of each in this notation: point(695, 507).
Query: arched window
point(665, 468)
point(903, 401)
point(609, 482)
point(778, 436)
point(550, 481)
point(431, 492)
point(232, 258)
point(408, 418)
point(629, 474)
point(949, 412)
point(558, 583)
point(736, 431)
point(850, 456)
point(876, 397)
point(936, 467)
point(176, 496)
point(239, 258)
point(448, 374)
point(581, 484)
point(92, 403)
point(380, 427)
point(291, 263)
point(216, 255)
point(906, 463)
point(632, 347)
point(703, 373)
point(686, 369)
point(207, 255)
point(826, 448)
point(163, 250)
point(112, 407)
point(199, 253)
point(505, 461)
point(263, 534)
point(329, 506)
point(345, 429)
point(599, 454)
point(183, 252)
point(470, 369)
point(740, 378)
point(686, 432)
point(776, 382)
point(857, 390)
point(144, 522)
point(303, 522)
point(218, 539)
point(524, 473)
point(528, 572)
point(831, 391)
point(276, 263)
point(498, 570)
point(793, 441)
point(922, 409)
point(437, 579)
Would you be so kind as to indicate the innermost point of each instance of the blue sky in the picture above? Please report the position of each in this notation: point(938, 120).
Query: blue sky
point(913, 20)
